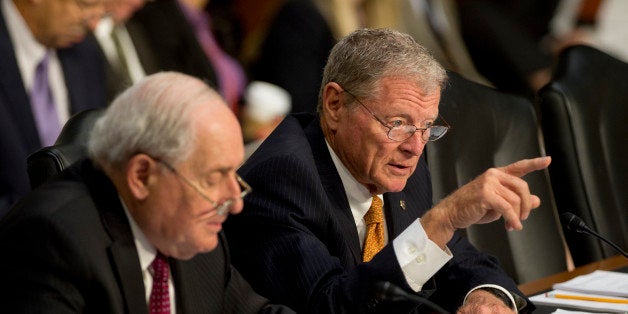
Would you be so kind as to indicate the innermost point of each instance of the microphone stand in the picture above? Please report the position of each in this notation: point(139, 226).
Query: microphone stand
point(576, 224)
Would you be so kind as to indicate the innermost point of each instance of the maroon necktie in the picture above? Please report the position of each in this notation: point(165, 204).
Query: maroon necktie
point(159, 301)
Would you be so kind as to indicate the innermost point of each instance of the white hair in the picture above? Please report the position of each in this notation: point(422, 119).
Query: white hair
point(151, 117)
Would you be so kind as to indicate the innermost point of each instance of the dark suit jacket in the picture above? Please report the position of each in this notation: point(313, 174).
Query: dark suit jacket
point(85, 81)
point(116, 80)
point(171, 40)
point(294, 53)
point(164, 41)
point(296, 240)
point(68, 247)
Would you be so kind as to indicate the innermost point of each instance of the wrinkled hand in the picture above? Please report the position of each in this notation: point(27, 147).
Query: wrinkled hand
point(480, 301)
point(498, 192)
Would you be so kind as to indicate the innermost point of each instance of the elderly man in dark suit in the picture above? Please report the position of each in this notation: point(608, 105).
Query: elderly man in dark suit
point(47, 73)
point(315, 235)
point(137, 227)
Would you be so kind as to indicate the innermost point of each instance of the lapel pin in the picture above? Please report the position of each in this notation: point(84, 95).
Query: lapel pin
point(402, 203)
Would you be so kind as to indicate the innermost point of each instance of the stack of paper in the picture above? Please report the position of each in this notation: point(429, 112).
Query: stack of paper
point(598, 291)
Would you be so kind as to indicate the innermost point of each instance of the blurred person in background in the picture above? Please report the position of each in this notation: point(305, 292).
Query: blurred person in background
point(47, 73)
point(123, 45)
point(176, 36)
point(230, 75)
point(602, 24)
point(506, 41)
point(265, 106)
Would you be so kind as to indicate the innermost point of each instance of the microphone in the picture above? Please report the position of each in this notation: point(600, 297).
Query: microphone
point(386, 290)
point(575, 223)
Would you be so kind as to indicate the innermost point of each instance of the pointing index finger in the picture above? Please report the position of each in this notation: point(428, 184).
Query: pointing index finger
point(525, 166)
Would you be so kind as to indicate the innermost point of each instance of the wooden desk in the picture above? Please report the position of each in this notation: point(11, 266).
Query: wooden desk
point(537, 286)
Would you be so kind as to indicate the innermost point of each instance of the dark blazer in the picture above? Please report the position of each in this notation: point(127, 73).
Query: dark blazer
point(164, 41)
point(171, 40)
point(296, 240)
point(68, 247)
point(294, 53)
point(84, 77)
point(118, 81)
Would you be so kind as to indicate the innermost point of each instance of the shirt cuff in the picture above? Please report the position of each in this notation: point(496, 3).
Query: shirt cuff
point(418, 256)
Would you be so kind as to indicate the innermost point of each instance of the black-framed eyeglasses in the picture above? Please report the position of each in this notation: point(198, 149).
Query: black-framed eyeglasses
point(401, 132)
point(221, 208)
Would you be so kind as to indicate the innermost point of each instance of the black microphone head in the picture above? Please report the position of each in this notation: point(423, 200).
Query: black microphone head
point(387, 291)
point(573, 222)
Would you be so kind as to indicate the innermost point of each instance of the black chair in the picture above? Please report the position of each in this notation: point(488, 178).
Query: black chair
point(584, 116)
point(490, 129)
point(71, 146)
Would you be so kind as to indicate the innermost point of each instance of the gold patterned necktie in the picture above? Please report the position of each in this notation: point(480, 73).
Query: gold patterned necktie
point(374, 240)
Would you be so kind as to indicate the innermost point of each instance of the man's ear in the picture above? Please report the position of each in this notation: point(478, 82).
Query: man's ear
point(139, 170)
point(332, 103)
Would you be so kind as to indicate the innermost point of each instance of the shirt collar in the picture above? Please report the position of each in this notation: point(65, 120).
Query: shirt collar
point(145, 250)
point(358, 195)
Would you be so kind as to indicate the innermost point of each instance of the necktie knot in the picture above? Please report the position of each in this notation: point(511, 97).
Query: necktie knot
point(374, 219)
point(42, 66)
point(160, 268)
point(375, 214)
point(159, 301)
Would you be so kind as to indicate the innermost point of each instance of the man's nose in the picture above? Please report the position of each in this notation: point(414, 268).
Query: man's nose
point(414, 144)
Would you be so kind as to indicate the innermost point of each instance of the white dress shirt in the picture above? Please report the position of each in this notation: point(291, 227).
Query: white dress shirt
point(104, 33)
point(418, 256)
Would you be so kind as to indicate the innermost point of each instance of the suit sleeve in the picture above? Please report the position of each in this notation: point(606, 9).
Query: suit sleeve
point(240, 297)
point(36, 275)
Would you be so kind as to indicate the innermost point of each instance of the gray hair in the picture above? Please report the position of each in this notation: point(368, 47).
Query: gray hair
point(361, 59)
point(151, 117)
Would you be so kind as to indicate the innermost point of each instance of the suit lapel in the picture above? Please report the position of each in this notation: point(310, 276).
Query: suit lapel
point(334, 189)
point(143, 48)
point(15, 98)
point(403, 208)
point(83, 68)
point(122, 252)
point(127, 271)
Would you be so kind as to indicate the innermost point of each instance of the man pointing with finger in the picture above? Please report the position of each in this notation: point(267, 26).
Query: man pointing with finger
point(343, 199)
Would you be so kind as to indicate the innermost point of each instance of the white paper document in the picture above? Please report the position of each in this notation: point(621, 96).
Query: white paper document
point(551, 299)
point(608, 283)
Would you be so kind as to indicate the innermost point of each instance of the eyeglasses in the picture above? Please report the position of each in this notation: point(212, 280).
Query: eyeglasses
point(400, 132)
point(221, 208)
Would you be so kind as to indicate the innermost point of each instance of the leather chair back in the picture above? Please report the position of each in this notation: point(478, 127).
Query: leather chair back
point(492, 129)
point(584, 116)
point(71, 146)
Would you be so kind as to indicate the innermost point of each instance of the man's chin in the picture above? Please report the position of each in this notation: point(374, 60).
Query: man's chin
point(69, 41)
point(392, 186)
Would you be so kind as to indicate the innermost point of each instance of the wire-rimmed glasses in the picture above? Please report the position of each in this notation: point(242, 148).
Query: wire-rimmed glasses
point(401, 132)
point(221, 208)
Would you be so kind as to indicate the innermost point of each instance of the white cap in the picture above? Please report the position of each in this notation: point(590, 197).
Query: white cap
point(266, 101)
